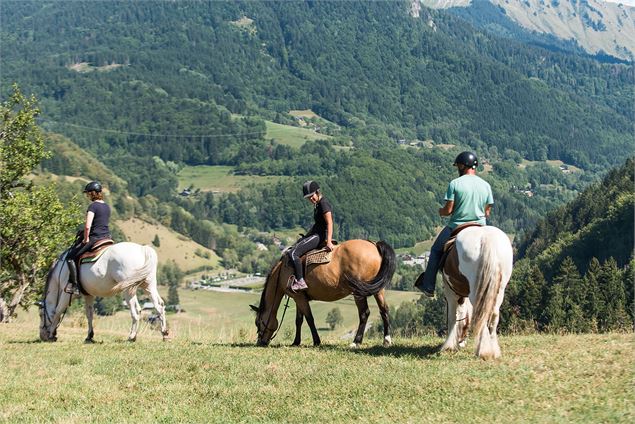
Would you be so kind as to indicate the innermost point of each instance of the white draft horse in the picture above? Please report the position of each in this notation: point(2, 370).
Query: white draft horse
point(485, 259)
point(360, 267)
point(121, 268)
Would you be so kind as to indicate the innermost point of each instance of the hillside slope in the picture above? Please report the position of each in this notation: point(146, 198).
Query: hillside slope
point(599, 27)
point(598, 223)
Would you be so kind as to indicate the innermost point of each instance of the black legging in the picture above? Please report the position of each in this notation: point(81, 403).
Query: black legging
point(80, 249)
point(302, 246)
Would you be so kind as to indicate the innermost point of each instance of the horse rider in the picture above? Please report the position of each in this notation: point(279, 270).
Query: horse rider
point(95, 229)
point(467, 199)
point(321, 232)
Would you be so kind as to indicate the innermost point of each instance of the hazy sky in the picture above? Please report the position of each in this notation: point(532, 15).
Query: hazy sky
point(628, 2)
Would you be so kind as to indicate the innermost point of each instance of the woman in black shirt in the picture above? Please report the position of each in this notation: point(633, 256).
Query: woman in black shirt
point(320, 233)
point(95, 229)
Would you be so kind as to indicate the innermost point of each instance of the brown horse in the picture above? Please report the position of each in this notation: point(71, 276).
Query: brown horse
point(360, 267)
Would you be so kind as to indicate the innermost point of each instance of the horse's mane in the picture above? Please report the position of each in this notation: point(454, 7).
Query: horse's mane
point(274, 270)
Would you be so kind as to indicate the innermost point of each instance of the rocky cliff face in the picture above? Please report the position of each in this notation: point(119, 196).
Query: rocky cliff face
point(596, 26)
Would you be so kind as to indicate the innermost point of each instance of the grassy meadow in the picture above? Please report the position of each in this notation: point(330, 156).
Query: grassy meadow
point(291, 136)
point(218, 178)
point(212, 372)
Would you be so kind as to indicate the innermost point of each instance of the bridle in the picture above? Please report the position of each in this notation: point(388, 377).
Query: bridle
point(271, 312)
point(48, 321)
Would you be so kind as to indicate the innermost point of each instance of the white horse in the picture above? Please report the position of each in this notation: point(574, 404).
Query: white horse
point(485, 259)
point(121, 268)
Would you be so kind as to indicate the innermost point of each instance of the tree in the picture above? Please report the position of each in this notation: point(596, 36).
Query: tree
point(334, 318)
point(173, 294)
point(156, 242)
point(34, 224)
point(614, 316)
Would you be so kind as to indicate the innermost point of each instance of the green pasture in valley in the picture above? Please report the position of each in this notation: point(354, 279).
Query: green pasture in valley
point(292, 136)
point(211, 371)
point(218, 178)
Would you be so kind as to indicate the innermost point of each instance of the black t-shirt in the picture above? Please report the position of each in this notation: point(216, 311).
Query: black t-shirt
point(99, 229)
point(321, 207)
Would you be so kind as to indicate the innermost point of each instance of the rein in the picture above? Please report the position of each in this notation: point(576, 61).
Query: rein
point(271, 312)
point(286, 305)
point(47, 320)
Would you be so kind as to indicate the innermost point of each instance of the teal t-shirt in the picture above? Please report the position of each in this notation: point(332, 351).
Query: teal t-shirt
point(470, 194)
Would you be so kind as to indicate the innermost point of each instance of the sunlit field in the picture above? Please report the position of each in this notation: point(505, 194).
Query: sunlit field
point(212, 371)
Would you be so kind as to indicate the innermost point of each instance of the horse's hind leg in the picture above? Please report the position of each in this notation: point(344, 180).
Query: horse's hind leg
point(89, 301)
point(159, 305)
point(135, 312)
point(383, 311)
point(302, 303)
point(299, 319)
point(363, 312)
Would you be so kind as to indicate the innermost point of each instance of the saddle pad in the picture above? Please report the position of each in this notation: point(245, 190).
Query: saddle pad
point(318, 256)
point(94, 255)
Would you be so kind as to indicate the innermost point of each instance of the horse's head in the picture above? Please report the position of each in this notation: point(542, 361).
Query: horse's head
point(53, 299)
point(266, 311)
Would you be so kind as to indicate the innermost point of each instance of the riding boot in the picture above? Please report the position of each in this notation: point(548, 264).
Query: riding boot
point(298, 285)
point(72, 287)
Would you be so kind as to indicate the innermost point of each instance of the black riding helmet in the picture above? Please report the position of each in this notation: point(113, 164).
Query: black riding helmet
point(468, 159)
point(93, 186)
point(310, 187)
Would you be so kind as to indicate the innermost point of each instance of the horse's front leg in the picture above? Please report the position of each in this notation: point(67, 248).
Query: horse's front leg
point(299, 319)
point(302, 303)
point(135, 313)
point(383, 311)
point(89, 308)
point(363, 311)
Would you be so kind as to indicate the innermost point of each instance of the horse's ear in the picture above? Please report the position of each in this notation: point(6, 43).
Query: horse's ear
point(254, 308)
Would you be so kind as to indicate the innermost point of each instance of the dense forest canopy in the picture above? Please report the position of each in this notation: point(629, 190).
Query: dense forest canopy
point(148, 87)
point(185, 67)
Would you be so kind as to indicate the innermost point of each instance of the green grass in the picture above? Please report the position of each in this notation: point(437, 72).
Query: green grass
point(218, 178)
point(292, 136)
point(575, 379)
point(212, 372)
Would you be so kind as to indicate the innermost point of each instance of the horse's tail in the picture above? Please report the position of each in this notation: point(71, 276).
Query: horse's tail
point(488, 280)
point(383, 277)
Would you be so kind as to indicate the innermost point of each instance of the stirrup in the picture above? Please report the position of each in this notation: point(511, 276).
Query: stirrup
point(71, 288)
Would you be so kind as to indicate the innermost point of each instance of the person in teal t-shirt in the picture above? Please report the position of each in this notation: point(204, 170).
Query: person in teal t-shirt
point(468, 199)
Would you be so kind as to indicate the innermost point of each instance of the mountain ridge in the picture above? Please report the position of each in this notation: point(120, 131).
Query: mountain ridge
point(600, 28)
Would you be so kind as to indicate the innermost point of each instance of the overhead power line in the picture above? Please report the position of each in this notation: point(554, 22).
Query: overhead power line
point(119, 132)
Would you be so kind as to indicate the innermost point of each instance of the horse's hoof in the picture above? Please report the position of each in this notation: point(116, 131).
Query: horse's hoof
point(387, 341)
point(132, 339)
point(462, 343)
point(354, 345)
point(89, 341)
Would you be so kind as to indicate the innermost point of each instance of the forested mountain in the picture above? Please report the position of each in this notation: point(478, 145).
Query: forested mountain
point(180, 68)
point(149, 86)
point(575, 271)
point(598, 223)
point(597, 27)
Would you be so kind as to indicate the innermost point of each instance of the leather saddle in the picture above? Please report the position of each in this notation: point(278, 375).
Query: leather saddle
point(450, 263)
point(95, 252)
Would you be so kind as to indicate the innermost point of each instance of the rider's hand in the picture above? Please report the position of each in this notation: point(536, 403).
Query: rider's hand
point(85, 241)
point(330, 246)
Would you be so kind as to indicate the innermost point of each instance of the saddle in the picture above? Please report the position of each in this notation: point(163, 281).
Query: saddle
point(95, 252)
point(449, 263)
point(313, 257)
